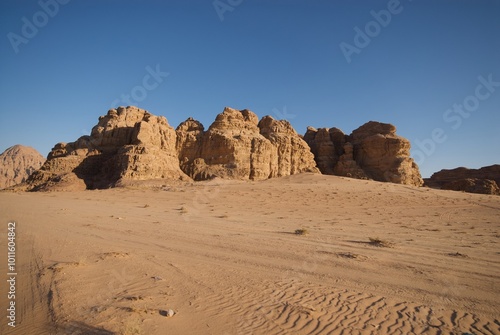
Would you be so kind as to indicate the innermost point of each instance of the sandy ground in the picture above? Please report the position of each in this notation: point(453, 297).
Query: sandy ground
point(225, 257)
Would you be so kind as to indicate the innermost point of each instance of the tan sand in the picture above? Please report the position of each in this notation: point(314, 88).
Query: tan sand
point(225, 257)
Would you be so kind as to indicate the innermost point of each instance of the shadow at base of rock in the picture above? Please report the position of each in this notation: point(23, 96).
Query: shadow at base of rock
point(80, 328)
point(97, 172)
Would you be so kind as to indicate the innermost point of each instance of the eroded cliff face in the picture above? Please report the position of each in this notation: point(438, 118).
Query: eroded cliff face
point(238, 146)
point(127, 143)
point(131, 144)
point(372, 151)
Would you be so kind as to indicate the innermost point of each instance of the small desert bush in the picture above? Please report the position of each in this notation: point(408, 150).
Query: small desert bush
point(301, 231)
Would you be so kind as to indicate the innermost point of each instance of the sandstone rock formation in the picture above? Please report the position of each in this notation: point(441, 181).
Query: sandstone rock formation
point(238, 146)
point(327, 146)
point(17, 163)
point(347, 166)
point(485, 180)
point(130, 144)
point(189, 137)
point(127, 143)
point(473, 185)
point(372, 151)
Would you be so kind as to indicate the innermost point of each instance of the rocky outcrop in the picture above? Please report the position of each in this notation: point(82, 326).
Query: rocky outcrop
point(485, 180)
point(373, 151)
point(233, 148)
point(491, 172)
point(17, 163)
point(127, 143)
point(189, 138)
point(290, 154)
point(347, 166)
point(130, 144)
point(473, 185)
point(327, 145)
point(238, 146)
point(383, 155)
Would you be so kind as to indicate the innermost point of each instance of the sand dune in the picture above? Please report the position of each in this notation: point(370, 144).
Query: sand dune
point(225, 257)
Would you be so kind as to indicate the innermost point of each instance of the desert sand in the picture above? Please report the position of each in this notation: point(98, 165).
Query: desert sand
point(224, 256)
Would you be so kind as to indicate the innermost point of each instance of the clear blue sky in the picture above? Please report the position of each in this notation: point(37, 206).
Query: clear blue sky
point(281, 58)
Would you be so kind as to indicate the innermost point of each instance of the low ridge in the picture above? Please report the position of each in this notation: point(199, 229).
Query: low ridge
point(485, 180)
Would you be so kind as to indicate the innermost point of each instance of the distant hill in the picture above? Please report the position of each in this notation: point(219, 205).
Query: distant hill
point(17, 163)
point(485, 180)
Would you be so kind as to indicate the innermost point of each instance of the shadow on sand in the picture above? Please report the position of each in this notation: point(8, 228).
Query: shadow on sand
point(80, 328)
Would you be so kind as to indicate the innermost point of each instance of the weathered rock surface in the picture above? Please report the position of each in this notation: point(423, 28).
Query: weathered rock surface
point(189, 137)
point(373, 151)
point(290, 154)
point(485, 180)
point(130, 144)
point(238, 146)
point(327, 146)
point(473, 185)
point(383, 155)
point(17, 163)
point(127, 143)
point(491, 172)
point(347, 166)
